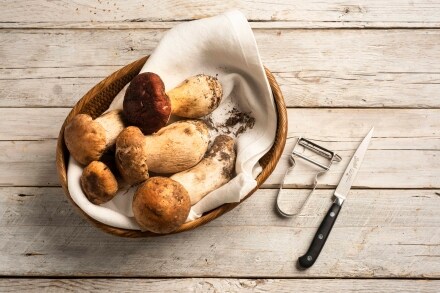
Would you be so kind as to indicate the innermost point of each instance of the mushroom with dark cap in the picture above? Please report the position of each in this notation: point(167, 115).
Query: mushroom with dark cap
point(147, 106)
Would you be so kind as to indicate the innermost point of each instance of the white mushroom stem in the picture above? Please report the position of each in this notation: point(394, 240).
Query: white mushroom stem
point(113, 125)
point(196, 96)
point(177, 146)
point(216, 169)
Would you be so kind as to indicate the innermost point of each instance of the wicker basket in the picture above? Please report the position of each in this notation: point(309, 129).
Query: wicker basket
point(98, 99)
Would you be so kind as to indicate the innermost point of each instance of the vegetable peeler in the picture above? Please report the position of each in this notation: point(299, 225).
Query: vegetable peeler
point(323, 168)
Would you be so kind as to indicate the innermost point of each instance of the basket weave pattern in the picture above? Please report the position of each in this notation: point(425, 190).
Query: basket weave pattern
point(99, 98)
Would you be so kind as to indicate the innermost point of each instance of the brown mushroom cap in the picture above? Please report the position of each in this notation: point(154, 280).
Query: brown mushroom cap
point(161, 205)
point(85, 139)
point(98, 183)
point(131, 155)
point(146, 105)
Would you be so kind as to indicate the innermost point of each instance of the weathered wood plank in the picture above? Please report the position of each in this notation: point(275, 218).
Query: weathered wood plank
point(254, 24)
point(31, 123)
point(217, 285)
point(403, 152)
point(316, 13)
point(380, 233)
point(56, 92)
point(333, 125)
point(47, 206)
point(32, 163)
point(28, 163)
point(315, 68)
point(397, 235)
point(380, 169)
point(397, 146)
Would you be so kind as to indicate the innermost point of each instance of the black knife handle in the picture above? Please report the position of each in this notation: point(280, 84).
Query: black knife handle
point(307, 260)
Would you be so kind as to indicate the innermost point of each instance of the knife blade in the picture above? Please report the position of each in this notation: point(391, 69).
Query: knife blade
point(340, 194)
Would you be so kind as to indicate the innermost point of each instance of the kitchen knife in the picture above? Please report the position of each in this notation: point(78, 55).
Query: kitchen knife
point(340, 194)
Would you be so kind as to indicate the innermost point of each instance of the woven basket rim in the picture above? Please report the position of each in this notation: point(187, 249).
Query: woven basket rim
point(122, 77)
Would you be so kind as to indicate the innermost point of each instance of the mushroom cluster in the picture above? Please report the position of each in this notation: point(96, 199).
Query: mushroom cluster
point(123, 147)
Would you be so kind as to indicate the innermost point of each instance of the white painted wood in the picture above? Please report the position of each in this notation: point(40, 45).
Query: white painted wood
point(47, 206)
point(345, 126)
point(28, 163)
point(56, 92)
point(31, 123)
point(32, 163)
point(217, 285)
point(418, 13)
point(315, 68)
point(133, 25)
point(379, 233)
point(397, 156)
point(52, 52)
point(402, 154)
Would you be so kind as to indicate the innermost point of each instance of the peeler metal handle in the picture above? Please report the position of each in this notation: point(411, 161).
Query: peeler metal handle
point(330, 155)
point(277, 205)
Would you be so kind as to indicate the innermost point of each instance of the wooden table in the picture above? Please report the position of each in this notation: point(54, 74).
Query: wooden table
point(343, 67)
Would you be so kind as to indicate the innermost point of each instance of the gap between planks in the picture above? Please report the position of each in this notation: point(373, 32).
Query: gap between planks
point(18, 277)
point(216, 285)
point(402, 154)
point(376, 69)
point(255, 24)
point(302, 13)
point(44, 236)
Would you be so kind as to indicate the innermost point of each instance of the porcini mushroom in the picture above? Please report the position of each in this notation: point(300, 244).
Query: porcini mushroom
point(161, 205)
point(196, 96)
point(174, 148)
point(147, 106)
point(98, 183)
point(213, 171)
point(87, 139)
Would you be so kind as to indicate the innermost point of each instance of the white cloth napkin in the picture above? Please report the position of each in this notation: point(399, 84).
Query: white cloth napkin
point(222, 46)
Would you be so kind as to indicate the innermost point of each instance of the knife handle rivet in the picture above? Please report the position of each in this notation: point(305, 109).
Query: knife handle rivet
point(320, 236)
point(309, 258)
point(332, 214)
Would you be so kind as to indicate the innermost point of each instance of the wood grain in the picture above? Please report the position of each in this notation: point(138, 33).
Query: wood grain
point(402, 154)
point(348, 64)
point(32, 163)
point(315, 68)
point(397, 235)
point(315, 13)
point(216, 285)
point(47, 206)
point(31, 123)
point(346, 126)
